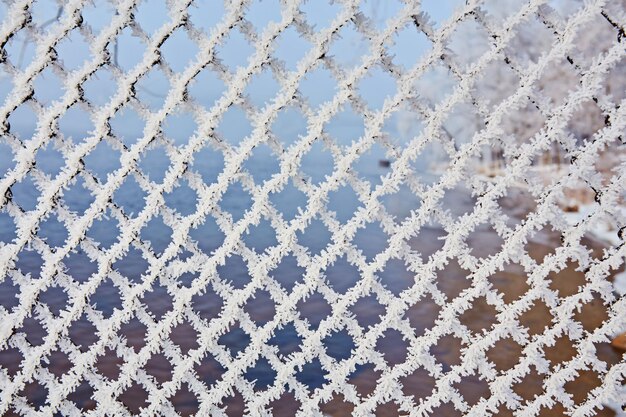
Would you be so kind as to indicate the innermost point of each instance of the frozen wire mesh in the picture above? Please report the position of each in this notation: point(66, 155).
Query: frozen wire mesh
point(495, 97)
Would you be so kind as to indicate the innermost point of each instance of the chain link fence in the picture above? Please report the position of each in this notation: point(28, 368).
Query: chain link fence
point(280, 208)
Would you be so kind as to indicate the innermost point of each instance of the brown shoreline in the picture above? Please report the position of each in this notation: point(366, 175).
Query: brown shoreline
point(511, 283)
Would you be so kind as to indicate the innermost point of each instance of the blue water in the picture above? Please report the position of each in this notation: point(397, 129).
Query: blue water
point(208, 163)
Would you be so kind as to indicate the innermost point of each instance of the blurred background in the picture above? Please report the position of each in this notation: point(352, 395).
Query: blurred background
point(402, 129)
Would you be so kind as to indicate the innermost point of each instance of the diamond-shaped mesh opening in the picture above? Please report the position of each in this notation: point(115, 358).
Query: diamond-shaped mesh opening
point(423, 314)
point(396, 276)
point(83, 333)
point(429, 240)
point(346, 126)
point(288, 272)
point(183, 199)
point(19, 51)
point(134, 332)
point(586, 122)
point(134, 398)
point(262, 374)
point(285, 405)
point(29, 262)
point(498, 82)
point(393, 346)
point(152, 88)
point(289, 125)
point(55, 298)
point(50, 160)
point(209, 370)
point(480, 317)
point(185, 401)
point(435, 85)
point(344, 202)
point(364, 379)
point(342, 275)
point(76, 123)
point(25, 193)
point(505, 354)
point(290, 48)
point(536, 318)
point(473, 389)
point(567, 281)
point(100, 231)
point(102, 160)
point(126, 50)
point(207, 235)
point(453, 279)
point(592, 314)
point(447, 351)
point(53, 232)
point(82, 397)
point(132, 265)
point(235, 339)
point(260, 307)
point(468, 43)
point(157, 301)
point(158, 234)
point(337, 405)
point(314, 309)
point(207, 304)
point(33, 331)
point(419, 384)
point(261, 237)
point(316, 237)
point(409, 47)
point(317, 163)
point(73, 50)
point(290, 201)
point(312, 375)
point(235, 52)
point(154, 163)
point(179, 126)
point(35, 394)
point(373, 164)
point(178, 50)
point(262, 88)
point(286, 339)
point(371, 240)
point(10, 293)
point(235, 271)
point(530, 385)
point(490, 241)
point(236, 201)
point(108, 364)
point(10, 361)
point(563, 350)
point(367, 311)
point(348, 47)
point(108, 298)
point(48, 87)
point(234, 405)
point(318, 86)
point(185, 336)
point(339, 345)
point(262, 164)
